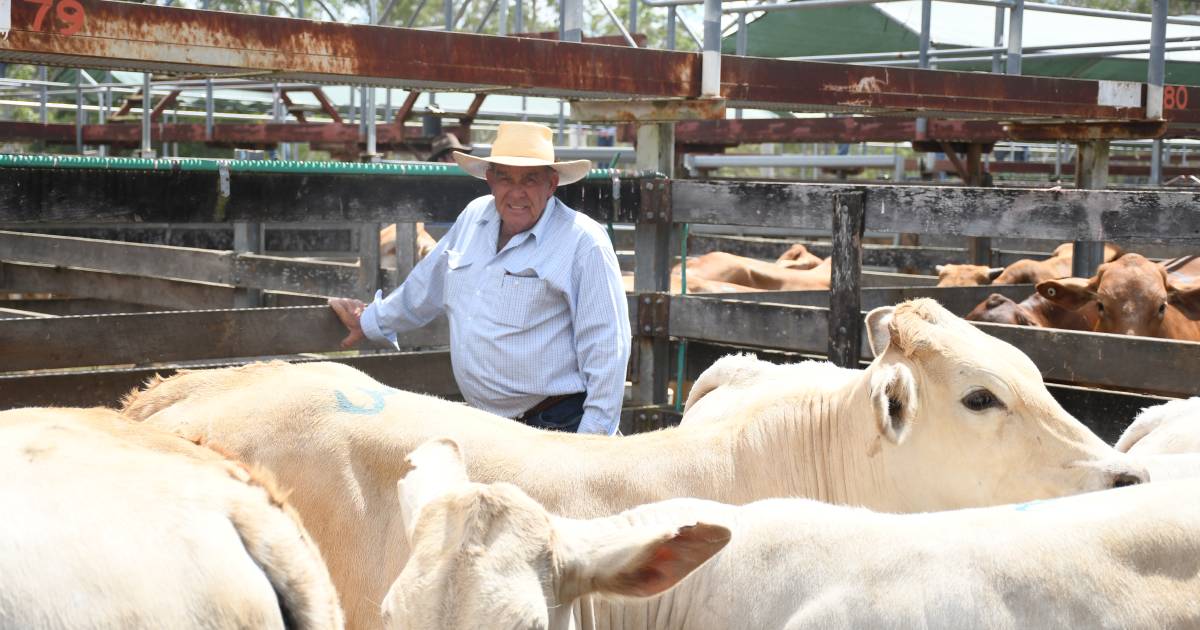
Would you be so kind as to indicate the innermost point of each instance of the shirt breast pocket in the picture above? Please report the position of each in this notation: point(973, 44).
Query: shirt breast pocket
point(458, 284)
point(520, 299)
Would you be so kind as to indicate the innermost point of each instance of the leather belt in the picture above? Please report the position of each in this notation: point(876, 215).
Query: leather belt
point(544, 405)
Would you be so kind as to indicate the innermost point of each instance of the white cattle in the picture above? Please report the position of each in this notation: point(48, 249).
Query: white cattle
point(483, 549)
point(1127, 558)
point(945, 417)
point(1172, 427)
point(110, 524)
point(723, 388)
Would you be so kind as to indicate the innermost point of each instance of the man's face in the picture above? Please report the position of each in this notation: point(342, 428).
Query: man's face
point(521, 194)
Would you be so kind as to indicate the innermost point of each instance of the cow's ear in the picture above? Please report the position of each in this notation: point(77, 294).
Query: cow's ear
point(879, 334)
point(634, 561)
point(939, 268)
point(894, 400)
point(994, 273)
point(437, 468)
point(1069, 293)
point(1187, 300)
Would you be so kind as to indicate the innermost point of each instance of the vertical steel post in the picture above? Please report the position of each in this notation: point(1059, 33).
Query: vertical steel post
point(105, 97)
point(43, 96)
point(147, 105)
point(1016, 15)
point(208, 109)
point(633, 16)
point(1156, 156)
point(78, 113)
point(300, 9)
point(519, 16)
point(572, 21)
point(652, 265)
point(979, 248)
point(1091, 172)
point(923, 55)
point(998, 39)
point(671, 27)
point(1156, 70)
point(369, 114)
point(502, 18)
point(710, 69)
point(742, 43)
point(448, 10)
point(1058, 159)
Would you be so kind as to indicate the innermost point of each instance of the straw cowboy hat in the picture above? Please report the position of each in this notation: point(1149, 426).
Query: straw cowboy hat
point(524, 144)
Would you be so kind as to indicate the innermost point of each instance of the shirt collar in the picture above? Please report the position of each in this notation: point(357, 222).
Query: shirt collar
point(538, 229)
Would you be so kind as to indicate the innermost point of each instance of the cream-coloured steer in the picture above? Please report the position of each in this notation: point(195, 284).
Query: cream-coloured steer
point(988, 433)
point(722, 389)
point(488, 556)
point(1127, 558)
point(1172, 427)
point(110, 524)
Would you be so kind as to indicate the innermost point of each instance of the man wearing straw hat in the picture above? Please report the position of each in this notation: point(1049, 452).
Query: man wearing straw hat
point(539, 327)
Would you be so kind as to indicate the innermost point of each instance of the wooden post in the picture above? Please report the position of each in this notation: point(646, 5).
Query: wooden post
point(1091, 172)
point(652, 268)
point(845, 310)
point(368, 259)
point(247, 239)
point(406, 251)
point(979, 248)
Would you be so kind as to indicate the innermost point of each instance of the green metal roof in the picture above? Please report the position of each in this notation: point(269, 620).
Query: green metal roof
point(867, 29)
point(828, 31)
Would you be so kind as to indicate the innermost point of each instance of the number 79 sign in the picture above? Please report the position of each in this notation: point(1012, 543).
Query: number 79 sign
point(69, 13)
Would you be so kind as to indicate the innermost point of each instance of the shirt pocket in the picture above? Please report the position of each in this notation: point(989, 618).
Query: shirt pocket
point(520, 298)
point(458, 280)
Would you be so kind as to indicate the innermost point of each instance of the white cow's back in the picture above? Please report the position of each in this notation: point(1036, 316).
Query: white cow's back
point(100, 531)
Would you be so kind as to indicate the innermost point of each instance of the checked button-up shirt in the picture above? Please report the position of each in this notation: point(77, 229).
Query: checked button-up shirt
point(544, 316)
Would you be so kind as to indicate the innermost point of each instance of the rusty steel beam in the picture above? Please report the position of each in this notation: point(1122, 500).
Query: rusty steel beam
point(156, 38)
point(1068, 168)
point(712, 133)
point(121, 35)
point(839, 129)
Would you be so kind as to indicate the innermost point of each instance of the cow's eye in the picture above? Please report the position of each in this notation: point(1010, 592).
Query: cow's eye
point(980, 400)
point(1100, 307)
point(1162, 309)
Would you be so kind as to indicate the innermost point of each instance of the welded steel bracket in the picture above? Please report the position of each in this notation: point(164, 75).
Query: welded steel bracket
point(653, 314)
point(655, 206)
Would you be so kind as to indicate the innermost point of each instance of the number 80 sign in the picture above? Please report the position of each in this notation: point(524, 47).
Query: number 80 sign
point(69, 13)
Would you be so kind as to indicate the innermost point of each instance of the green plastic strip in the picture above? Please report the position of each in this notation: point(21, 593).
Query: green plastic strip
point(682, 356)
point(263, 166)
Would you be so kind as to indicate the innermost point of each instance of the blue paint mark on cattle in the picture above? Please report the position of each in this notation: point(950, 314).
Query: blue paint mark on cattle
point(375, 406)
point(1022, 507)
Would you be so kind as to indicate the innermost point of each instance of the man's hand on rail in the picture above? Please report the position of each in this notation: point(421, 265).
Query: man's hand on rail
point(349, 311)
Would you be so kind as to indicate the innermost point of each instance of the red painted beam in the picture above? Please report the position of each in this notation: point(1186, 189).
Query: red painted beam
point(133, 35)
point(832, 130)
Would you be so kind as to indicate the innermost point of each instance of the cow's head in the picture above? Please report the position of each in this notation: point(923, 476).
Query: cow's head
point(489, 556)
point(964, 418)
point(966, 275)
point(1132, 295)
point(998, 309)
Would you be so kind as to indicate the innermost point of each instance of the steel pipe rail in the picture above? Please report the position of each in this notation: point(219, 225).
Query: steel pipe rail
point(152, 38)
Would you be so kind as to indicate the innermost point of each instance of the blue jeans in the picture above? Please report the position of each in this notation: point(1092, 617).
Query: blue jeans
point(564, 415)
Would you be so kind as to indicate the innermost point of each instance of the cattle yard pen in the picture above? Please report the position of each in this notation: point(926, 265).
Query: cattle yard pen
point(247, 302)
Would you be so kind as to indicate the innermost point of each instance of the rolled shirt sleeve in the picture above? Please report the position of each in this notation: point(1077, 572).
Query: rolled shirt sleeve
point(602, 337)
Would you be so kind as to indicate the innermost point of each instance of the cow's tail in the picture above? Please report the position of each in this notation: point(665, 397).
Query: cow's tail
point(276, 541)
